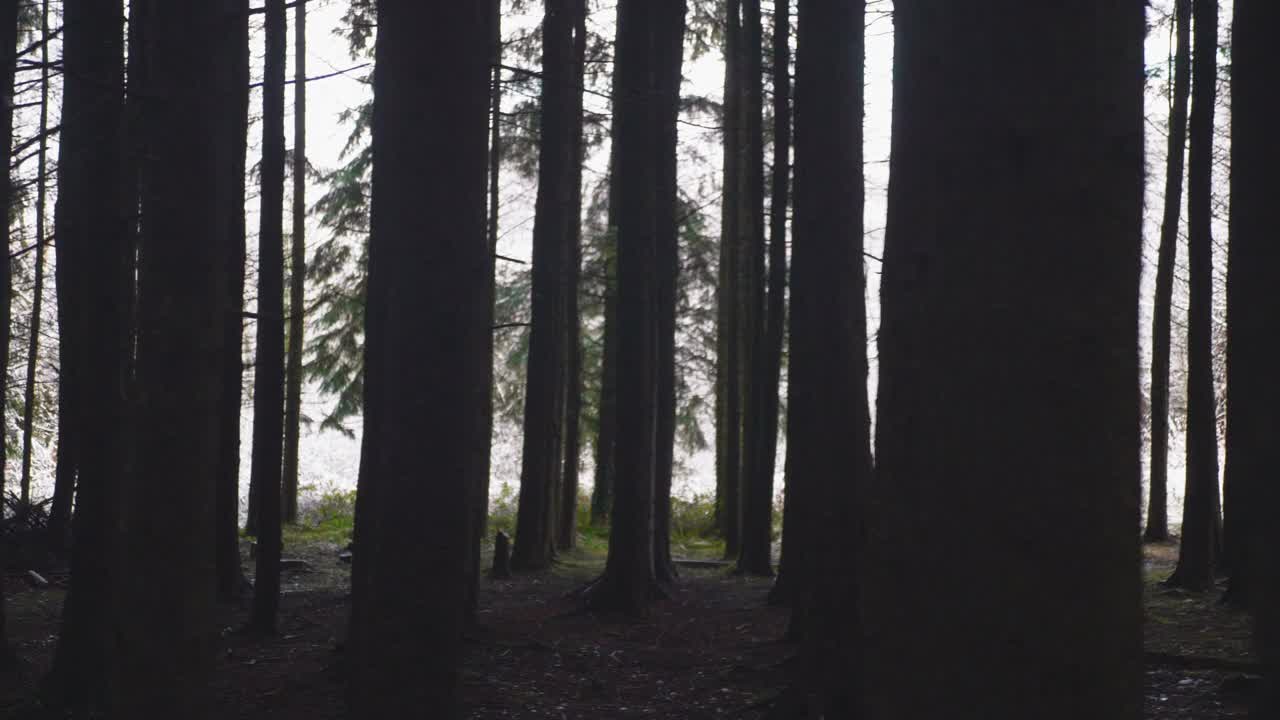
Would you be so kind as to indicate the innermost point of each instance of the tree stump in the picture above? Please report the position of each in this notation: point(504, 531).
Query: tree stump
point(501, 556)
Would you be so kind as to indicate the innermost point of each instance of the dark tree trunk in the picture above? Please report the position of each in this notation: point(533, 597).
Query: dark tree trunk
point(830, 422)
point(64, 474)
point(166, 645)
point(9, 39)
point(644, 56)
point(606, 436)
point(728, 296)
point(761, 386)
point(567, 530)
point(480, 486)
point(37, 292)
point(297, 272)
point(544, 388)
point(268, 370)
point(669, 39)
point(776, 313)
point(1158, 500)
point(233, 132)
point(427, 252)
point(1253, 266)
point(1008, 402)
point(1197, 555)
point(91, 222)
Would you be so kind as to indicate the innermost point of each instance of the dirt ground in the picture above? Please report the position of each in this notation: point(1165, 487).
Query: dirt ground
point(711, 651)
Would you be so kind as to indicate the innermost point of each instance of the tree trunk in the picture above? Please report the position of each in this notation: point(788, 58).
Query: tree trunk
point(544, 387)
point(95, 273)
point(729, 328)
point(268, 370)
point(1253, 261)
point(425, 371)
point(1158, 500)
point(644, 57)
point(761, 388)
point(297, 272)
point(607, 407)
point(830, 422)
point(8, 38)
point(669, 39)
point(480, 500)
point(1197, 556)
point(776, 313)
point(1008, 398)
point(37, 293)
point(567, 530)
point(233, 133)
point(64, 475)
point(167, 642)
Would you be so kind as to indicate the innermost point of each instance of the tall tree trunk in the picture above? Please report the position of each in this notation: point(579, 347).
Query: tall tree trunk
point(166, 643)
point(37, 292)
point(297, 271)
point(91, 223)
point(1158, 500)
point(644, 57)
point(669, 40)
point(480, 500)
point(776, 313)
point(544, 388)
point(567, 530)
point(268, 372)
point(607, 406)
point(1197, 555)
point(64, 474)
point(233, 137)
point(1008, 402)
point(8, 39)
point(1253, 264)
point(830, 421)
point(728, 295)
point(761, 380)
point(422, 372)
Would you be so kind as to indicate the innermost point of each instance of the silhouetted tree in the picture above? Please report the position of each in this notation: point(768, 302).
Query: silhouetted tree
point(1158, 499)
point(424, 370)
point(9, 10)
point(95, 271)
point(165, 645)
point(1008, 402)
point(1253, 265)
point(297, 271)
point(544, 387)
point(644, 58)
point(1198, 550)
point(233, 88)
point(268, 371)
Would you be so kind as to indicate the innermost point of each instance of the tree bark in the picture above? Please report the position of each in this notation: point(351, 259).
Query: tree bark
point(1158, 501)
point(669, 38)
point(425, 371)
point(644, 56)
point(544, 388)
point(95, 272)
point(268, 371)
point(830, 422)
point(37, 293)
point(1253, 261)
point(233, 136)
point(64, 474)
point(297, 272)
point(9, 10)
point(567, 530)
point(607, 406)
point(1198, 550)
point(1008, 402)
point(166, 645)
point(728, 325)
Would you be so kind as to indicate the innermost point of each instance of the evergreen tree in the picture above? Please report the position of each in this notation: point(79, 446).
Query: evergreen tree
point(9, 14)
point(297, 271)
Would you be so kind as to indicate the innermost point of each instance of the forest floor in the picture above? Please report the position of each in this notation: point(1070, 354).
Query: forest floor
point(710, 651)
